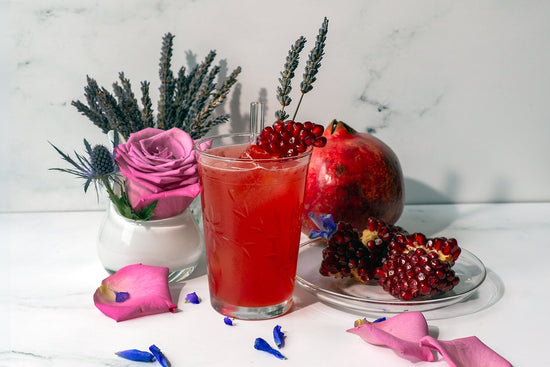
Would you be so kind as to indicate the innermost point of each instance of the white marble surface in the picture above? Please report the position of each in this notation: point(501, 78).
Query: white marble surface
point(458, 89)
point(50, 271)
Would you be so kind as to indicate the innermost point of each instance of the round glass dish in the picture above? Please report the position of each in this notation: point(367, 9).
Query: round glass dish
point(353, 295)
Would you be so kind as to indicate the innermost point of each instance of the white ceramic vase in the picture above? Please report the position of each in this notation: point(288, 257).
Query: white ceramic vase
point(175, 242)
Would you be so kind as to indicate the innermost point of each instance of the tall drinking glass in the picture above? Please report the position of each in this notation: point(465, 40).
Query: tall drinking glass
point(252, 211)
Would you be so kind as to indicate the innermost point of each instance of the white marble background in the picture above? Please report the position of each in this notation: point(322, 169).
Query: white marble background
point(459, 89)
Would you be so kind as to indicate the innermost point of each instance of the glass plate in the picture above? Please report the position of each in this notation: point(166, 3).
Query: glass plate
point(351, 294)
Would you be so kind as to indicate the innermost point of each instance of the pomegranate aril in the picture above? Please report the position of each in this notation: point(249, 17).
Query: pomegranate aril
point(309, 139)
point(278, 126)
point(291, 137)
point(317, 130)
point(320, 142)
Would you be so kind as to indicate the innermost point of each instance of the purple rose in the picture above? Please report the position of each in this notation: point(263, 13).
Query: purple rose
point(159, 165)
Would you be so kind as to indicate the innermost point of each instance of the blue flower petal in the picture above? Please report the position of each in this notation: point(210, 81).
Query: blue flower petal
point(121, 296)
point(136, 355)
point(161, 359)
point(379, 320)
point(261, 344)
point(192, 298)
point(228, 320)
point(326, 226)
point(278, 336)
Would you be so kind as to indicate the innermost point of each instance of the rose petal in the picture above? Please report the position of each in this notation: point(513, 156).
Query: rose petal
point(148, 286)
point(159, 165)
point(400, 333)
point(170, 203)
point(465, 352)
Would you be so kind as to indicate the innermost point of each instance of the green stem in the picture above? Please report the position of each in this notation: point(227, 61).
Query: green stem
point(114, 197)
point(298, 106)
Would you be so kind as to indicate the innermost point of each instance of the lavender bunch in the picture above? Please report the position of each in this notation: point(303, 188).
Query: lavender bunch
point(186, 101)
point(311, 69)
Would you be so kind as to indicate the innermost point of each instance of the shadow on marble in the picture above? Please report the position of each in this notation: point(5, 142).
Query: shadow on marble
point(489, 293)
point(240, 112)
point(302, 298)
point(417, 218)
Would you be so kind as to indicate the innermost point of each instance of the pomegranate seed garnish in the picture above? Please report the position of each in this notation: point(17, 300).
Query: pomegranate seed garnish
point(289, 138)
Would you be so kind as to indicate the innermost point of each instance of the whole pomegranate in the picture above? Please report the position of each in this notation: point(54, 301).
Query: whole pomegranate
point(354, 177)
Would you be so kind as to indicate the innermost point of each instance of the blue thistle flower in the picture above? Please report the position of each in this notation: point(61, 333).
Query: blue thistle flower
point(99, 165)
point(102, 161)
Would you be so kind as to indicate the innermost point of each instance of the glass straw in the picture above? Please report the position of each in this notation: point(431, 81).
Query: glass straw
point(256, 118)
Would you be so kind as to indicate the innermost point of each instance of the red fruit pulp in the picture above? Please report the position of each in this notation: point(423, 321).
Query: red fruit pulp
point(353, 177)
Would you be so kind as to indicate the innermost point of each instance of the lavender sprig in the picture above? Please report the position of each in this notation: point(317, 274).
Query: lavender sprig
point(287, 74)
point(166, 83)
point(313, 64)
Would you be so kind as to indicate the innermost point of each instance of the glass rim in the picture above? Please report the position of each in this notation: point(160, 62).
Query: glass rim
point(203, 140)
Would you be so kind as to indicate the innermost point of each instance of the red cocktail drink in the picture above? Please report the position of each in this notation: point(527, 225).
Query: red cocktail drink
point(252, 225)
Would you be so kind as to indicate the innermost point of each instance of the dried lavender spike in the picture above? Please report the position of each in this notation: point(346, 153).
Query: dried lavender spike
point(92, 111)
point(200, 130)
point(147, 112)
point(315, 57)
point(287, 74)
point(131, 103)
point(97, 119)
point(202, 96)
point(166, 83)
point(314, 63)
point(127, 103)
point(113, 113)
point(217, 98)
point(195, 83)
point(180, 88)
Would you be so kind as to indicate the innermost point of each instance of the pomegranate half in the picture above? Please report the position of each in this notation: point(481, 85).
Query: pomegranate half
point(355, 176)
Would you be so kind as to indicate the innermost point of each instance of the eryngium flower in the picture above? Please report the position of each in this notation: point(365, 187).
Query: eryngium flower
point(102, 161)
point(99, 165)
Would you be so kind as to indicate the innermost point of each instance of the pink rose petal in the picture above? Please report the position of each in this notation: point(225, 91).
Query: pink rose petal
point(465, 352)
point(148, 292)
point(400, 333)
point(159, 165)
point(170, 203)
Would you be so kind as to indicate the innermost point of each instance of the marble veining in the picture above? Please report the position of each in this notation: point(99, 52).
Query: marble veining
point(50, 273)
point(457, 89)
